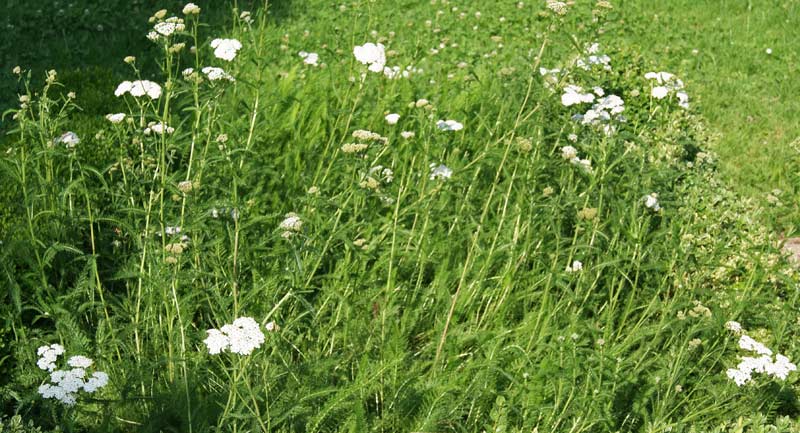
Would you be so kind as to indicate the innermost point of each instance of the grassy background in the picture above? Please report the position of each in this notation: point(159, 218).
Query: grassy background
point(745, 93)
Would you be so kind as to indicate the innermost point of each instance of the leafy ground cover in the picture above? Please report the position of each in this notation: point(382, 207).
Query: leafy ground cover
point(459, 219)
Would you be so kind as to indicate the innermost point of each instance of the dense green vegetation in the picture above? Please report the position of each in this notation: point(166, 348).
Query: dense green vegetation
point(513, 269)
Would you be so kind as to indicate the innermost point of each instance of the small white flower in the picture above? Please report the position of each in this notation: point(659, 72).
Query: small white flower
point(449, 125)
point(139, 88)
point(191, 9)
point(407, 134)
point(440, 171)
point(292, 223)
point(734, 327)
point(98, 380)
point(69, 139)
point(747, 343)
point(309, 58)
point(79, 361)
point(115, 118)
point(651, 202)
point(738, 376)
point(659, 92)
point(158, 128)
point(573, 95)
point(683, 99)
point(217, 74)
point(392, 118)
point(569, 152)
point(165, 28)
point(48, 356)
point(576, 266)
point(371, 54)
point(216, 341)
point(226, 49)
point(768, 51)
point(244, 335)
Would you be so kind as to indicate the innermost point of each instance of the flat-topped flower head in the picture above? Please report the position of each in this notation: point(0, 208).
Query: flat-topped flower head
point(440, 171)
point(79, 361)
point(139, 88)
point(569, 152)
point(734, 327)
point(115, 118)
point(216, 74)
point(651, 202)
point(392, 118)
point(748, 343)
point(191, 9)
point(226, 49)
point(449, 125)
point(48, 356)
point(158, 128)
point(69, 139)
point(65, 384)
point(241, 337)
point(659, 92)
point(292, 222)
point(575, 95)
point(576, 266)
point(309, 58)
point(371, 54)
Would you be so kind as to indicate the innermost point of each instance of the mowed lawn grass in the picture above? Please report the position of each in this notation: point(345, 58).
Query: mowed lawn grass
point(743, 75)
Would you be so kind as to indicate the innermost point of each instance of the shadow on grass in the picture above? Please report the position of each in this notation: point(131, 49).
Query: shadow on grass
point(85, 42)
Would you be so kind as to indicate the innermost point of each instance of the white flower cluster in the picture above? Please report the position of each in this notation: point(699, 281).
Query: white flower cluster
point(594, 59)
point(371, 54)
point(668, 83)
point(139, 88)
point(115, 118)
point(440, 171)
point(779, 368)
point(48, 356)
point(576, 266)
point(226, 49)
point(65, 384)
point(392, 118)
point(395, 72)
point(241, 337)
point(191, 9)
point(158, 128)
point(574, 95)
point(651, 202)
point(309, 58)
point(605, 110)
point(217, 74)
point(383, 173)
point(570, 153)
point(69, 139)
point(449, 125)
point(291, 224)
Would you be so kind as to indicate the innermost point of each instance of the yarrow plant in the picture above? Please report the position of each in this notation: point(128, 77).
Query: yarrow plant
point(139, 88)
point(65, 384)
point(373, 55)
point(242, 337)
point(778, 367)
point(226, 49)
point(449, 125)
point(668, 83)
